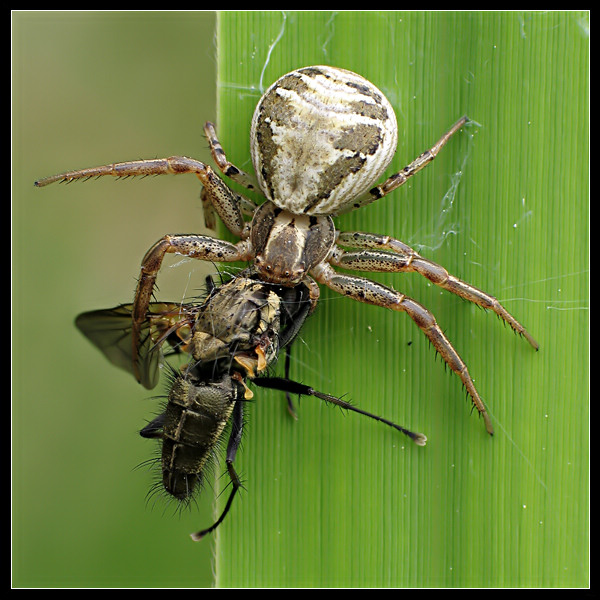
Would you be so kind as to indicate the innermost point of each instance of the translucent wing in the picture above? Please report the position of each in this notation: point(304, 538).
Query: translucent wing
point(110, 331)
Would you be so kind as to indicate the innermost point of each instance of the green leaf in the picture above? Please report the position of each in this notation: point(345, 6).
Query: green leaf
point(335, 499)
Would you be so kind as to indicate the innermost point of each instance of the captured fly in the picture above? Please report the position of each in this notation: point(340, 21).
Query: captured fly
point(229, 340)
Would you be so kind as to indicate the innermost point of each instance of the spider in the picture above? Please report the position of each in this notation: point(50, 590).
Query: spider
point(320, 138)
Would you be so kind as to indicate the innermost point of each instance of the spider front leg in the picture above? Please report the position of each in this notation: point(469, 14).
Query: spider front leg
point(385, 254)
point(194, 246)
point(371, 292)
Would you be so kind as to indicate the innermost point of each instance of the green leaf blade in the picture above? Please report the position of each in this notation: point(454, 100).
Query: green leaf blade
point(336, 500)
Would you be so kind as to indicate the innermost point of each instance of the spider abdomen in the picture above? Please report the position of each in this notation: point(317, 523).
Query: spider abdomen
point(321, 137)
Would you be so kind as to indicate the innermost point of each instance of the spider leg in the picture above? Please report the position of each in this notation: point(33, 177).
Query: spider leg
point(371, 292)
point(228, 169)
point(210, 214)
point(174, 165)
point(395, 256)
point(400, 178)
point(227, 203)
point(201, 247)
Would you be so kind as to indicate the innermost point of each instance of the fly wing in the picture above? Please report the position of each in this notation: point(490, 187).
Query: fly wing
point(110, 331)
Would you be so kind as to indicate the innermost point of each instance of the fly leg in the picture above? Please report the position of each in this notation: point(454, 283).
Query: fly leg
point(232, 446)
point(288, 397)
point(292, 387)
point(371, 292)
point(289, 335)
point(154, 429)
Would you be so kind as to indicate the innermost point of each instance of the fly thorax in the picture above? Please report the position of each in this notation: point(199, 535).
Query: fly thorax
point(205, 347)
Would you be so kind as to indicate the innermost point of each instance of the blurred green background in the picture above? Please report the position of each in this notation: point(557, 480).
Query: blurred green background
point(91, 88)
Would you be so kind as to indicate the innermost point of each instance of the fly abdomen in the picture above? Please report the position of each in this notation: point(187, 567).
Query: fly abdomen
point(195, 417)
